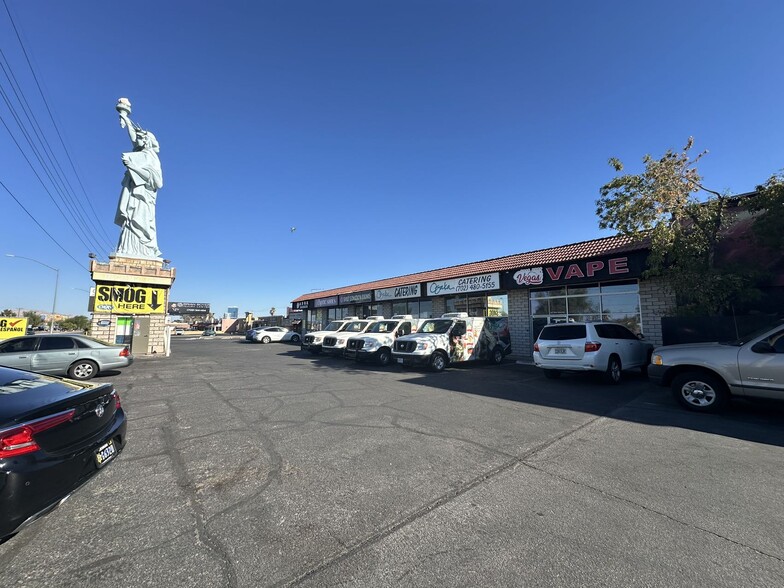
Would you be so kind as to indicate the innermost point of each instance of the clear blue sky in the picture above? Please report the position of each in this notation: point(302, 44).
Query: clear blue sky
point(396, 136)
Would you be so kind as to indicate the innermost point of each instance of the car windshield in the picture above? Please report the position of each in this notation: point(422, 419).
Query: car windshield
point(383, 327)
point(753, 335)
point(356, 326)
point(94, 342)
point(438, 326)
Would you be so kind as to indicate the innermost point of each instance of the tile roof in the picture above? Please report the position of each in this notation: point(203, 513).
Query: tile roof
point(574, 251)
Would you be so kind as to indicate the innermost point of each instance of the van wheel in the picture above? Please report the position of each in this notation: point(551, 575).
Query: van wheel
point(438, 362)
point(497, 356)
point(384, 357)
point(700, 392)
point(613, 373)
point(552, 374)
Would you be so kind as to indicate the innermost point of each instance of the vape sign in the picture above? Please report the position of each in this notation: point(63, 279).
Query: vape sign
point(529, 277)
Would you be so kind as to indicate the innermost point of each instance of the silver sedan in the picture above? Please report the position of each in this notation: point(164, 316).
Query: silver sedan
point(76, 356)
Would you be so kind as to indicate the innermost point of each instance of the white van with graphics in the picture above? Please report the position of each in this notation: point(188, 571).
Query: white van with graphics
point(376, 343)
point(454, 337)
point(335, 343)
point(313, 341)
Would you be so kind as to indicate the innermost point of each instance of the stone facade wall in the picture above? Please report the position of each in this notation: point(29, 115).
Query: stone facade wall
point(439, 306)
point(123, 271)
point(657, 301)
point(386, 308)
point(520, 324)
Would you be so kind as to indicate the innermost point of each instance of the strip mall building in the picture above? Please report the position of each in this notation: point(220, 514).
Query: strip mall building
point(593, 280)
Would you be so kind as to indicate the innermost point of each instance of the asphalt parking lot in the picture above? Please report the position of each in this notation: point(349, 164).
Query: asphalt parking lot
point(261, 465)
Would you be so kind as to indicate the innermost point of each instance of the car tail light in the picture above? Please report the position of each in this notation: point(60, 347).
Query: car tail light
point(20, 440)
point(589, 346)
point(125, 352)
point(117, 403)
point(536, 346)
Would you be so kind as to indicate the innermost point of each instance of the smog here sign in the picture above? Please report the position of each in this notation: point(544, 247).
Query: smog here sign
point(130, 299)
point(12, 327)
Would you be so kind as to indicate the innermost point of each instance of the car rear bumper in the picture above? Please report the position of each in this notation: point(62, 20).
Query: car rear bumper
point(35, 484)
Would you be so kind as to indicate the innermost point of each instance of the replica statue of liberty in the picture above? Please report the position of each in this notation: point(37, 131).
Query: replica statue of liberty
point(143, 178)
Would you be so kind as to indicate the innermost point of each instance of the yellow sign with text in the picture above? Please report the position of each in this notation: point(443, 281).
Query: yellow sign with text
point(130, 299)
point(12, 327)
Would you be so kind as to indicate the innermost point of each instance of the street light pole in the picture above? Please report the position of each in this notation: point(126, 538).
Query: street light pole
point(56, 284)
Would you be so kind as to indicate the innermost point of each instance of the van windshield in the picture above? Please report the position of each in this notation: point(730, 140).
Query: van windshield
point(382, 327)
point(437, 326)
point(356, 327)
point(334, 326)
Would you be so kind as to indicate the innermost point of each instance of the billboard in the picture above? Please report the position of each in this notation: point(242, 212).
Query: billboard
point(189, 308)
point(12, 327)
point(129, 299)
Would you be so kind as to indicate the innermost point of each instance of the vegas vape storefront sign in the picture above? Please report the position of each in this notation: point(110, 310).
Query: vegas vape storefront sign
point(465, 285)
point(625, 266)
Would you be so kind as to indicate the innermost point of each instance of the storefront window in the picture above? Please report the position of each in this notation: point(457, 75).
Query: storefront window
point(619, 303)
point(497, 305)
point(416, 308)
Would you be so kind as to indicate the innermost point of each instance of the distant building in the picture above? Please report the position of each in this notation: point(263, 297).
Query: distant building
point(233, 312)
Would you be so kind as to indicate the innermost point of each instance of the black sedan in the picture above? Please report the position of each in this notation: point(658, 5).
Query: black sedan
point(54, 436)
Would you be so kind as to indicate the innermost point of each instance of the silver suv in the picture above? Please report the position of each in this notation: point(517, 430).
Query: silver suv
point(703, 376)
point(580, 347)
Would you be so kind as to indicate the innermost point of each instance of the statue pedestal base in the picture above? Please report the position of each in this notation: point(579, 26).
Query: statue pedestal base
point(131, 298)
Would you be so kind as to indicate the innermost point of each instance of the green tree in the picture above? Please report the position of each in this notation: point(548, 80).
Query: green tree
point(75, 323)
point(768, 205)
point(685, 222)
point(8, 312)
point(33, 318)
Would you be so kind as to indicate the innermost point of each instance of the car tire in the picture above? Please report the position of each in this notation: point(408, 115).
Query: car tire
point(265, 340)
point(700, 391)
point(83, 369)
point(497, 356)
point(384, 357)
point(438, 362)
point(295, 338)
point(552, 374)
point(613, 373)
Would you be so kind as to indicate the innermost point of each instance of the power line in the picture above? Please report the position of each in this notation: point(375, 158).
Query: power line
point(69, 205)
point(54, 123)
point(39, 225)
point(69, 199)
point(43, 184)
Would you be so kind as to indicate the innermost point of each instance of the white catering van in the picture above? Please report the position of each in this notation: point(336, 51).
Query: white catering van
point(376, 342)
point(454, 337)
point(313, 341)
point(335, 343)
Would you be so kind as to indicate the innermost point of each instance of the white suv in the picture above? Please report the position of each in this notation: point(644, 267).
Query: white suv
point(578, 347)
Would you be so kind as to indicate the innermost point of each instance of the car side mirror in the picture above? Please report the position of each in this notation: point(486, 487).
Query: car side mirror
point(640, 336)
point(763, 347)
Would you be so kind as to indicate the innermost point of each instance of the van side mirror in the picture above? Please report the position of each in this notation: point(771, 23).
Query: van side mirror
point(763, 347)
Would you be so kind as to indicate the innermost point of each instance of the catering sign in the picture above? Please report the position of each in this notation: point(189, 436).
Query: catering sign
point(355, 297)
point(412, 291)
point(478, 283)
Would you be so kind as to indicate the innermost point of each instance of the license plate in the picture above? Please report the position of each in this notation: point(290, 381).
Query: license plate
point(105, 454)
point(399, 360)
point(559, 351)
